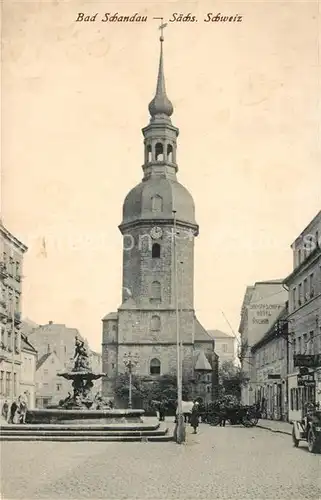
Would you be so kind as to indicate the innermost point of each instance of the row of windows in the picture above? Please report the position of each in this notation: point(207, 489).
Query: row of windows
point(6, 383)
point(271, 353)
point(304, 291)
point(12, 267)
point(58, 386)
point(306, 344)
point(300, 396)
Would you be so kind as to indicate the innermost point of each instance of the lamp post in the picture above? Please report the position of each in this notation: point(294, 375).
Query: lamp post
point(180, 431)
point(130, 361)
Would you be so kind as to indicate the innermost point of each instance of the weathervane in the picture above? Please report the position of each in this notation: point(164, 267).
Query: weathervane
point(161, 27)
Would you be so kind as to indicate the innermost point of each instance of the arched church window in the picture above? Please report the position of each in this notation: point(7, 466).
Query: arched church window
point(157, 203)
point(149, 153)
point(159, 152)
point(155, 323)
point(155, 367)
point(156, 292)
point(169, 153)
point(156, 251)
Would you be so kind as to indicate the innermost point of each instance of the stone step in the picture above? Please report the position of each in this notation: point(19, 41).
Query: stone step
point(13, 428)
point(78, 438)
point(82, 432)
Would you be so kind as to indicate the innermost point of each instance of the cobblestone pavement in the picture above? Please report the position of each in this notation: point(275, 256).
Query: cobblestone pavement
point(218, 463)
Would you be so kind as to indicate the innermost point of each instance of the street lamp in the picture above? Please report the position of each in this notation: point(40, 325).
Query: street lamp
point(130, 361)
point(180, 431)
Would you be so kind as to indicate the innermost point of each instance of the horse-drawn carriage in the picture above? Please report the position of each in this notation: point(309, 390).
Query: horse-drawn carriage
point(219, 413)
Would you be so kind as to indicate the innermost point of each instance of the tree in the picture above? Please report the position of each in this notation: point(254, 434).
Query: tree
point(147, 389)
point(232, 378)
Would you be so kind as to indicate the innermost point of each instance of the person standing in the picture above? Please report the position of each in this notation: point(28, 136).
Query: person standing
point(13, 411)
point(22, 409)
point(5, 410)
point(195, 415)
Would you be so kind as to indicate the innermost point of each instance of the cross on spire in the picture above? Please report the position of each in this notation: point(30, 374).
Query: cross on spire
point(161, 27)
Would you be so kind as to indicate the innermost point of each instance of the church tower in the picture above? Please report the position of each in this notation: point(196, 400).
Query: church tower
point(156, 211)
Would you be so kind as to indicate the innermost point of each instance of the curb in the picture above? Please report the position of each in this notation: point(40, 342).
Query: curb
point(287, 433)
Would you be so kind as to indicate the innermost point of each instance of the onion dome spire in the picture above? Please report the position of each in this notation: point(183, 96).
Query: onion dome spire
point(160, 105)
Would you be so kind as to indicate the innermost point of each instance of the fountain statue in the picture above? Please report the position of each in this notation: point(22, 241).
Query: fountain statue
point(82, 377)
point(82, 409)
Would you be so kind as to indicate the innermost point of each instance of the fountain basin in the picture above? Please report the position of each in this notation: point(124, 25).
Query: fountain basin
point(81, 374)
point(83, 416)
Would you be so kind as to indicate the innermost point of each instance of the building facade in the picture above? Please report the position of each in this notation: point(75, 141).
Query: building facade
point(225, 346)
point(55, 337)
point(29, 357)
point(59, 339)
point(270, 358)
point(50, 388)
point(11, 263)
point(262, 304)
point(158, 229)
point(304, 285)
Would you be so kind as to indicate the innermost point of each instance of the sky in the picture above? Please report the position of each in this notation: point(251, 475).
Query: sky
point(74, 100)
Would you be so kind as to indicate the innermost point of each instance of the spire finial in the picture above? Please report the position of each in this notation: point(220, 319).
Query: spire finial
point(161, 105)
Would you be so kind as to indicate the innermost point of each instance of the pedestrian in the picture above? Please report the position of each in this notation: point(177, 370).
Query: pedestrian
point(5, 409)
point(195, 415)
point(13, 411)
point(161, 411)
point(22, 407)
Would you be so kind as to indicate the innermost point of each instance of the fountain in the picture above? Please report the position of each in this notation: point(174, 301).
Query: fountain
point(81, 416)
point(82, 377)
point(82, 406)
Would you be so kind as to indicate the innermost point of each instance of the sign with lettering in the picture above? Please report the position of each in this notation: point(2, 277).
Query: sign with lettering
point(274, 376)
point(308, 360)
point(306, 380)
point(262, 315)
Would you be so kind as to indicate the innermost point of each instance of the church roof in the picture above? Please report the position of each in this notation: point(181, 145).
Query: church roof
point(202, 363)
point(200, 334)
point(130, 303)
point(111, 315)
point(174, 196)
point(160, 105)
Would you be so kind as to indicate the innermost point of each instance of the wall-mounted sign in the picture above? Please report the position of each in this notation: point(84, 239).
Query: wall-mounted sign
point(274, 376)
point(309, 360)
point(306, 380)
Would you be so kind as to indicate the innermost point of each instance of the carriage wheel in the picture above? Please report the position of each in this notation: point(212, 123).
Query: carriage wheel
point(213, 420)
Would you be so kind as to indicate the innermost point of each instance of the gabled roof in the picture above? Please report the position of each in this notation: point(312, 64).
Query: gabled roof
point(26, 345)
point(218, 334)
point(42, 360)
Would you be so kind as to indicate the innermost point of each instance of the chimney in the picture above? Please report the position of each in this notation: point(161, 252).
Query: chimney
point(50, 322)
point(48, 349)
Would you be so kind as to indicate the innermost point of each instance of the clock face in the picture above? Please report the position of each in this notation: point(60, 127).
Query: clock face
point(156, 232)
